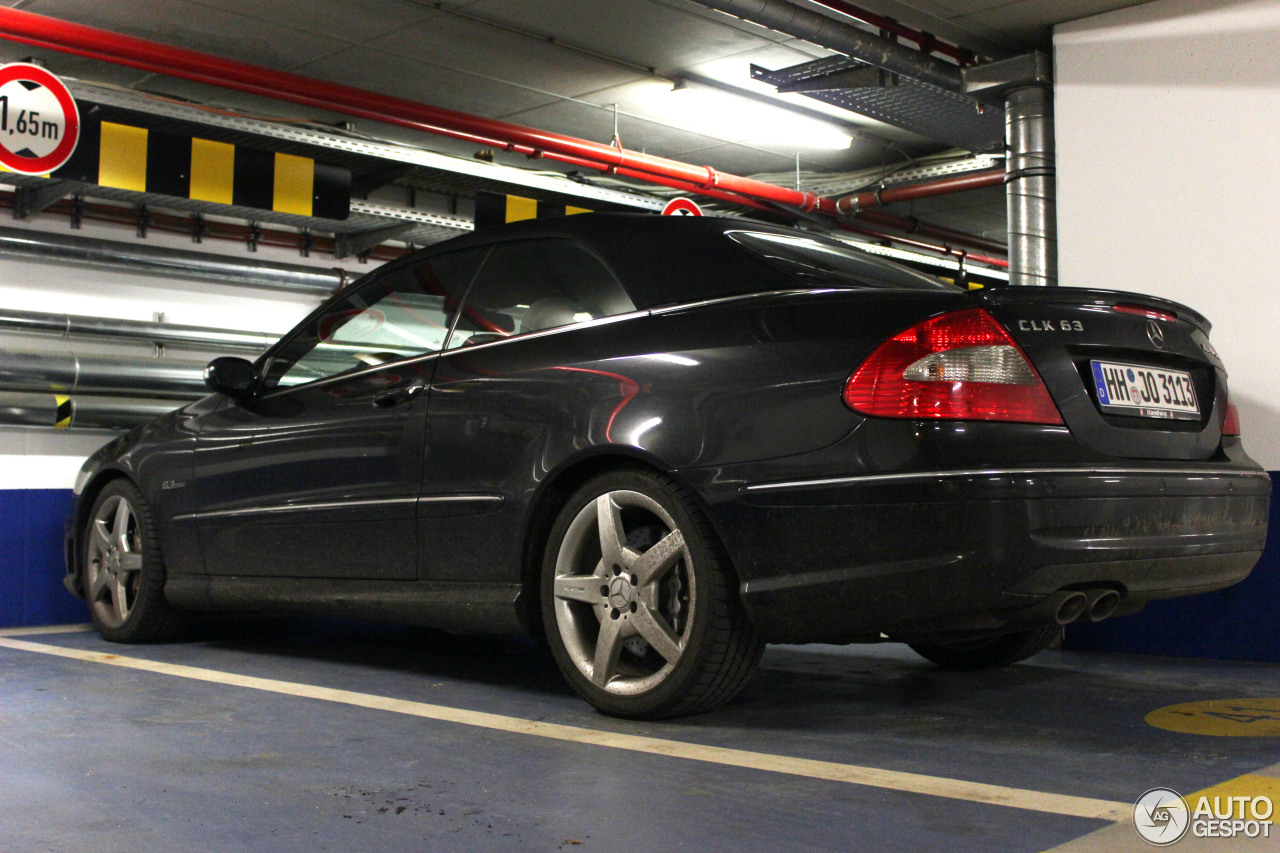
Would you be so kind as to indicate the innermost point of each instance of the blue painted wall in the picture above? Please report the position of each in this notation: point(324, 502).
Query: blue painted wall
point(31, 590)
point(1238, 623)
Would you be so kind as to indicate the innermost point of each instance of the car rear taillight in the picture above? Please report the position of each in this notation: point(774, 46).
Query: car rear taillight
point(958, 366)
point(1231, 423)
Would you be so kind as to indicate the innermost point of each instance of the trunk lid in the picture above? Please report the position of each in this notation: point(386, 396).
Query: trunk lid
point(1133, 375)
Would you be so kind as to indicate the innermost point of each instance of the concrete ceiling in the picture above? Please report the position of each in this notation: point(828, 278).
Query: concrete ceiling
point(995, 26)
point(561, 65)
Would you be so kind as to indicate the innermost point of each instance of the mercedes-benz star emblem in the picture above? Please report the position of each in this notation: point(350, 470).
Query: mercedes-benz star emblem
point(620, 593)
point(1156, 334)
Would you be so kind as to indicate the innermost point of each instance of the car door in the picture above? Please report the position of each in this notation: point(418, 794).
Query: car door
point(318, 474)
point(495, 401)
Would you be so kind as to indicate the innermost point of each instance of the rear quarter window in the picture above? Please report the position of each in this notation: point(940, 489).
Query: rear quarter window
point(535, 284)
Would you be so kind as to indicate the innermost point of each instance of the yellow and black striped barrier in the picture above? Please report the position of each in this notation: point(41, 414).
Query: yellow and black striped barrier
point(131, 157)
point(62, 412)
point(497, 208)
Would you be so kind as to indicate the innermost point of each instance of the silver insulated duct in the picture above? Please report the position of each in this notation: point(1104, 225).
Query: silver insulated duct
point(132, 331)
point(1030, 186)
point(172, 263)
point(67, 373)
point(61, 412)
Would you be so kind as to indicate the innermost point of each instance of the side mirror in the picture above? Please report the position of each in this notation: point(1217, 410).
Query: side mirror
point(232, 376)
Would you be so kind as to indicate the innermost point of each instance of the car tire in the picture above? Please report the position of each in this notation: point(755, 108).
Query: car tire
point(989, 652)
point(639, 603)
point(123, 568)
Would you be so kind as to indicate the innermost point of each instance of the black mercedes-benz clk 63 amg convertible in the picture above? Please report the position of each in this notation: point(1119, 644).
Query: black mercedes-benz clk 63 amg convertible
point(666, 441)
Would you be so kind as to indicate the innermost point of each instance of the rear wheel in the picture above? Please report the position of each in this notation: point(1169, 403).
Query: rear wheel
point(640, 606)
point(989, 652)
point(123, 569)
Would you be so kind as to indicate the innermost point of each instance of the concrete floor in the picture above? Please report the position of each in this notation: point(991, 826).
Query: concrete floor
point(116, 758)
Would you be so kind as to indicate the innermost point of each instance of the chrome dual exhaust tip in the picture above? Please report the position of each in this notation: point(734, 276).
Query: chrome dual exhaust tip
point(1069, 605)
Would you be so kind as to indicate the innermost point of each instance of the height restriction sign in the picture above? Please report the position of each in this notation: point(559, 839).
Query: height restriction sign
point(39, 122)
point(682, 207)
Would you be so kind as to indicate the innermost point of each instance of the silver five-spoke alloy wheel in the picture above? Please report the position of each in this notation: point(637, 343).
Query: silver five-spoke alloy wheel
point(113, 568)
point(625, 593)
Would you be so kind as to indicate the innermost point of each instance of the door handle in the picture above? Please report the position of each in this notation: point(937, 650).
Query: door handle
point(399, 394)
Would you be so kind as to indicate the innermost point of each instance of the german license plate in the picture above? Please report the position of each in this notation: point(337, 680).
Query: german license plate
point(1148, 392)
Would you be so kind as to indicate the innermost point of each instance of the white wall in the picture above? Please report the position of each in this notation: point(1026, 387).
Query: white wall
point(45, 458)
point(1168, 132)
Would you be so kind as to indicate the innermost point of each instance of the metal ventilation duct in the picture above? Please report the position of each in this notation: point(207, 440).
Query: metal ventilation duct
point(67, 373)
point(173, 263)
point(1025, 84)
point(46, 410)
point(1032, 180)
point(132, 331)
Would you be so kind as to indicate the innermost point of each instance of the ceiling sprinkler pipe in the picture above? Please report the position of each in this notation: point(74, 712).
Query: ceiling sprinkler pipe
point(927, 42)
point(914, 226)
point(851, 204)
point(949, 251)
point(729, 198)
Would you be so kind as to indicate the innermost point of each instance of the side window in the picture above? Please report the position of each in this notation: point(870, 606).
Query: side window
point(399, 315)
point(529, 285)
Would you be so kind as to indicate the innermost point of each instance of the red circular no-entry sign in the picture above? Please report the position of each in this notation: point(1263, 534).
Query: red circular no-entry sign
point(39, 121)
point(682, 207)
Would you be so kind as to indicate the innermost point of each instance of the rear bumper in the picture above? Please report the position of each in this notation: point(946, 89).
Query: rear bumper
point(916, 554)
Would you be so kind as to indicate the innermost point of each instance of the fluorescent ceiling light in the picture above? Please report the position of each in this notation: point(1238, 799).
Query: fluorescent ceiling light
point(723, 114)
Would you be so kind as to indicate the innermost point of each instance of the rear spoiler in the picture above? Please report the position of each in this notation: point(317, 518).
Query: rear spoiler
point(1080, 296)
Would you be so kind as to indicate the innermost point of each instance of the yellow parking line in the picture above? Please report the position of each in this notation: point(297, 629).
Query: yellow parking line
point(915, 783)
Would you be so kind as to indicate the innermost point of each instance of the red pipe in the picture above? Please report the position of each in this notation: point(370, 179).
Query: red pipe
point(730, 198)
point(103, 45)
point(927, 41)
point(920, 244)
point(911, 225)
point(957, 183)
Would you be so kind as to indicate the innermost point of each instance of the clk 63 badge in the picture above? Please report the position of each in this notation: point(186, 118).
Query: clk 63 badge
point(1050, 325)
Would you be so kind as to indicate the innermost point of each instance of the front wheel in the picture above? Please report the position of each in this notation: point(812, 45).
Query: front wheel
point(123, 569)
point(640, 606)
point(989, 652)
